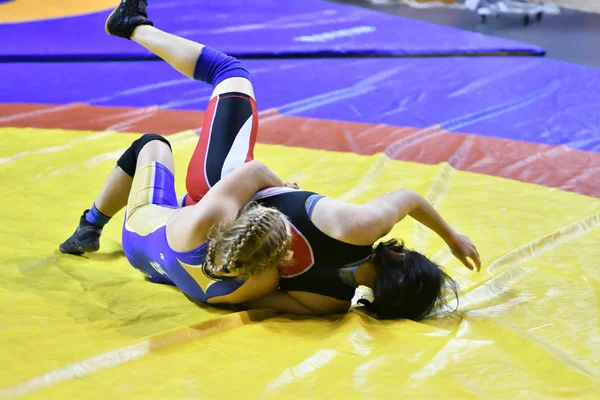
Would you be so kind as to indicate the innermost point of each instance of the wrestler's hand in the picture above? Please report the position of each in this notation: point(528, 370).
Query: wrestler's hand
point(292, 185)
point(464, 249)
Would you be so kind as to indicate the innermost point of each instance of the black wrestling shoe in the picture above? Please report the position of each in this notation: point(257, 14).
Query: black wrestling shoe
point(86, 238)
point(126, 17)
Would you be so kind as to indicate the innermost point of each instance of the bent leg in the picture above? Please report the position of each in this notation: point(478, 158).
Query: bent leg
point(185, 56)
point(114, 193)
point(152, 201)
point(156, 151)
point(230, 124)
point(226, 141)
point(154, 179)
point(180, 53)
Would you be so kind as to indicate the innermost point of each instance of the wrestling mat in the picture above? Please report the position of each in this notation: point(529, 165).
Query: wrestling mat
point(67, 30)
point(507, 148)
point(528, 324)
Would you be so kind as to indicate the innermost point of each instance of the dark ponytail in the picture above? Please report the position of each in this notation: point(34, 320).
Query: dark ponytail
point(407, 284)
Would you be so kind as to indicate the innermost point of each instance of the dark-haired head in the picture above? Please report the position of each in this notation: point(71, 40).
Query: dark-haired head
point(407, 284)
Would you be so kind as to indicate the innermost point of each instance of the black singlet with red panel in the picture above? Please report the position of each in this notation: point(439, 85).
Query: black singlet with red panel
point(318, 258)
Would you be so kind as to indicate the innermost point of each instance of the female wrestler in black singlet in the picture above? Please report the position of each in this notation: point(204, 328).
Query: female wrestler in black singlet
point(334, 252)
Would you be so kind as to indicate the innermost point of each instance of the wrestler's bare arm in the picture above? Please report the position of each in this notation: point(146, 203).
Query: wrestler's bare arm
point(302, 303)
point(254, 287)
point(190, 226)
point(366, 223)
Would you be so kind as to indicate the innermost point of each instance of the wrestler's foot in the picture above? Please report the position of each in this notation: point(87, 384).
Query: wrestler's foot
point(85, 239)
point(126, 17)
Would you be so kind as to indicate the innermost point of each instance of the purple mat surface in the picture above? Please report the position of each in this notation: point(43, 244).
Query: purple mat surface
point(253, 28)
point(521, 98)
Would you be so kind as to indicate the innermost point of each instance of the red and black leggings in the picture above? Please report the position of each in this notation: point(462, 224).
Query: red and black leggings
point(227, 141)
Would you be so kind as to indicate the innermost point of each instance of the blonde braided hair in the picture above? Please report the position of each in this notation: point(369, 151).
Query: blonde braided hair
point(259, 238)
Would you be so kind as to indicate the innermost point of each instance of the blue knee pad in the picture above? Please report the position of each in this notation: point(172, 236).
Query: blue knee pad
point(214, 66)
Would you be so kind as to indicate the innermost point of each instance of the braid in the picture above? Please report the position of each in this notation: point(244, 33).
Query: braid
point(226, 238)
point(254, 223)
point(257, 258)
point(258, 239)
point(211, 255)
point(278, 252)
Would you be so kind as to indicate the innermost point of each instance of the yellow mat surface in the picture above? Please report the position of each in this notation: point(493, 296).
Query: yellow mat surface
point(91, 327)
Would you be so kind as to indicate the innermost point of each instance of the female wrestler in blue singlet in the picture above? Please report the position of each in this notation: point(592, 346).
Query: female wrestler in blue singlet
point(188, 246)
point(332, 242)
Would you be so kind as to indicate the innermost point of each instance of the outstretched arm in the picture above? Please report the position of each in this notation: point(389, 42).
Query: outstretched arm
point(371, 221)
point(404, 202)
point(393, 207)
